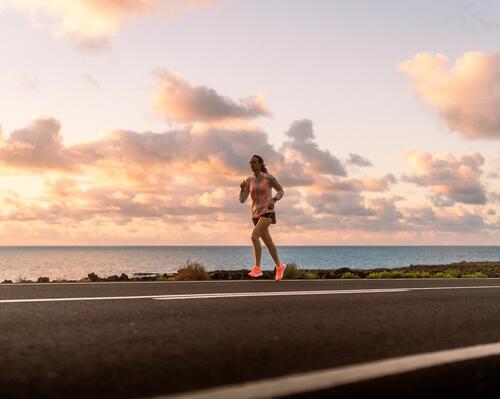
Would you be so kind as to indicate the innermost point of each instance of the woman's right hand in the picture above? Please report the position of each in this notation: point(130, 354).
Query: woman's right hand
point(243, 185)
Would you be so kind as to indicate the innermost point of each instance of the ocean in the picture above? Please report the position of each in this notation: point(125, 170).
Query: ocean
point(76, 262)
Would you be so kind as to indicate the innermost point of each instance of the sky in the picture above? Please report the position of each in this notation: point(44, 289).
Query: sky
point(132, 122)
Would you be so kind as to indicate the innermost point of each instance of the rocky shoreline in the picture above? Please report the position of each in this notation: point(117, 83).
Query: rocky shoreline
point(196, 271)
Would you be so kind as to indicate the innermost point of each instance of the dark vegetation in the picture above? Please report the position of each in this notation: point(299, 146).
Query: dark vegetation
point(196, 271)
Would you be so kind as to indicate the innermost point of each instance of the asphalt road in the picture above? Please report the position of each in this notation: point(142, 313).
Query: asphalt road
point(145, 347)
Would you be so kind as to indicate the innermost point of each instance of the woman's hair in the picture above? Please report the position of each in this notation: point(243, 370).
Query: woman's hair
point(261, 161)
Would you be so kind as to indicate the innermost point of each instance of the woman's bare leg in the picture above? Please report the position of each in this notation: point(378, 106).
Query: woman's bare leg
point(266, 237)
point(262, 225)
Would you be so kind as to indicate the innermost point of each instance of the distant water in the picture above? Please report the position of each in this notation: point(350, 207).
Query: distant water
point(77, 262)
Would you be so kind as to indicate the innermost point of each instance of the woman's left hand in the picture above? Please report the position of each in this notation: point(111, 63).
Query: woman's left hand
point(271, 204)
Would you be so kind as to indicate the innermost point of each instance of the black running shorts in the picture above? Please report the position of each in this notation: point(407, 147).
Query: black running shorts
point(271, 215)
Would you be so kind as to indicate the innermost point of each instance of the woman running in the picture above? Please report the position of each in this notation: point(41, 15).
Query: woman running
point(259, 187)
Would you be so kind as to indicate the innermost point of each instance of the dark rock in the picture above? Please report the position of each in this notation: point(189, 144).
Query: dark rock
point(146, 278)
point(93, 277)
point(220, 275)
point(43, 280)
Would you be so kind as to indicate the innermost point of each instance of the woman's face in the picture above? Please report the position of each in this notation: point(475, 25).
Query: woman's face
point(255, 165)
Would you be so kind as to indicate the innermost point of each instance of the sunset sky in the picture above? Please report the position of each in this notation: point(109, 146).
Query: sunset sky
point(132, 122)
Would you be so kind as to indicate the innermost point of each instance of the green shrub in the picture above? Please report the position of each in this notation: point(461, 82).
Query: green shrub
point(349, 275)
point(453, 272)
point(375, 275)
point(310, 275)
point(292, 271)
point(386, 274)
point(192, 271)
point(442, 275)
point(398, 274)
point(417, 275)
point(474, 275)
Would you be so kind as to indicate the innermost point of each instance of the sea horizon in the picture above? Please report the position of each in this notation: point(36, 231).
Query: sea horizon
point(77, 261)
point(248, 245)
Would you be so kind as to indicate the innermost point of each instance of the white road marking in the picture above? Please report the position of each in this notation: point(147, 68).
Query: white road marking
point(245, 294)
point(203, 296)
point(330, 378)
point(279, 293)
point(89, 298)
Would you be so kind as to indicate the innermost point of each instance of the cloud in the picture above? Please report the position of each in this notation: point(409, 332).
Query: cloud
point(454, 179)
point(378, 184)
point(199, 154)
point(91, 22)
point(329, 212)
point(339, 203)
point(294, 173)
point(122, 154)
point(494, 197)
point(355, 159)
point(444, 220)
point(177, 100)
point(339, 184)
point(190, 172)
point(184, 182)
point(91, 81)
point(467, 97)
point(36, 147)
point(440, 201)
point(301, 144)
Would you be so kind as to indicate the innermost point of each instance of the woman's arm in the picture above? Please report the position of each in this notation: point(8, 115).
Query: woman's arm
point(278, 188)
point(245, 190)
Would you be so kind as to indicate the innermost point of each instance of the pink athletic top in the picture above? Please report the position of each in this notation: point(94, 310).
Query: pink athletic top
point(260, 189)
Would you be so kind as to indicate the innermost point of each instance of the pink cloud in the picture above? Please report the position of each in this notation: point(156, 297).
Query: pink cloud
point(467, 97)
point(38, 146)
point(91, 22)
point(301, 144)
point(457, 180)
point(177, 100)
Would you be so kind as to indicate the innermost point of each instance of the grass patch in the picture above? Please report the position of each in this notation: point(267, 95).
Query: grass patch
point(443, 275)
point(386, 274)
point(192, 271)
point(398, 274)
point(417, 275)
point(474, 275)
point(293, 272)
point(348, 275)
point(310, 275)
point(454, 273)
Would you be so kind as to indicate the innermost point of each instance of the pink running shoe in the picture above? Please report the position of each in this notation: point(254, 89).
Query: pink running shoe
point(279, 271)
point(256, 272)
